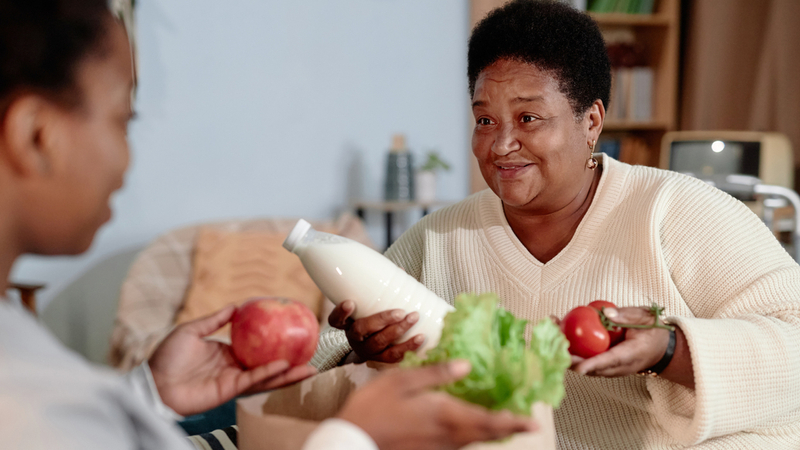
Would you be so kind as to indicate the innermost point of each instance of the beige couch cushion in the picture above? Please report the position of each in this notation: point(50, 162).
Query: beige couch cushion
point(162, 280)
point(231, 267)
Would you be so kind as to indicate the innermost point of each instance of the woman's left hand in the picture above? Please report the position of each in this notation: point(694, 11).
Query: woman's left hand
point(193, 374)
point(641, 349)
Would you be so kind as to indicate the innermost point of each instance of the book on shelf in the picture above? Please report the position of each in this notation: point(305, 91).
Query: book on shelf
point(631, 83)
point(610, 147)
point(631, 94)
point(641, 95)
point(577, 4)
point(622, 6)
point(620, 89)
point(646, 6)
point(628, 149)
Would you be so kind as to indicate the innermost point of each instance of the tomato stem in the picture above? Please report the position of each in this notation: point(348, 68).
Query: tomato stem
point(655, 310)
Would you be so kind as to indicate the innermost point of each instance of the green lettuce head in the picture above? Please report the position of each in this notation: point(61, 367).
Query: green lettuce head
point(506, 373)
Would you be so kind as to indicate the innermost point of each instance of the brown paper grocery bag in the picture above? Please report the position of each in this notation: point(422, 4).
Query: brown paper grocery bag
point(544, 438)
point(283, 419)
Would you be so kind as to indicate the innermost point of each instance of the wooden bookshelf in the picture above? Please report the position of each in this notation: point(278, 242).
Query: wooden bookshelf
point(643, 20)
point(658, 35)
point(626, 125)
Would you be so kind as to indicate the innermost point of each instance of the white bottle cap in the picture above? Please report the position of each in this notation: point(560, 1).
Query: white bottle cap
point(300, 229)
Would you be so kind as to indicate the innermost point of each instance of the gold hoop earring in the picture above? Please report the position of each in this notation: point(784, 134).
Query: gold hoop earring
point(591, 163)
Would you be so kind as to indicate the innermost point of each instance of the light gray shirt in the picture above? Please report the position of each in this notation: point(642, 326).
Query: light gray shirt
point(51, 398)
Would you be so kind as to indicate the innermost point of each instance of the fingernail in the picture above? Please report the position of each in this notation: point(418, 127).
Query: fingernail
point(398, 314)
point(459, 367)
point(413, 317)
point(610, 312)
point(348, 305)
point(419, 339)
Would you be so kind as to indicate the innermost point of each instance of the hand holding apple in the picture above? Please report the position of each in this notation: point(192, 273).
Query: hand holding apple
point(267, 329)
point(194, 374)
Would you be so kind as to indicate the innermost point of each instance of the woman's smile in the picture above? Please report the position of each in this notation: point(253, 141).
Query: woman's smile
point(513, 170)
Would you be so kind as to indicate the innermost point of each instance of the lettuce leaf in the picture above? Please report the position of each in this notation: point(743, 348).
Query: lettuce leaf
point(506, 373)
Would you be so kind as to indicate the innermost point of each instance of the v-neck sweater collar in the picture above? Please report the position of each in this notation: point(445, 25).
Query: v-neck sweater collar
point(520, 262)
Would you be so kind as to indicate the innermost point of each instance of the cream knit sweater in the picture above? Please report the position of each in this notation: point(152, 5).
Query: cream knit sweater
point(649, 235)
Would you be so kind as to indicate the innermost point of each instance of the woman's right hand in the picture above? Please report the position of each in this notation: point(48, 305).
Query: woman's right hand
point(372, 337)
point(400, 411)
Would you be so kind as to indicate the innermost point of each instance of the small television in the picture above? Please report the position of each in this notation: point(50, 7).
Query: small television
point(710, 155)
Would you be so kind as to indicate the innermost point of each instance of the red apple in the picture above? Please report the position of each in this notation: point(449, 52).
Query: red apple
point(266, 329)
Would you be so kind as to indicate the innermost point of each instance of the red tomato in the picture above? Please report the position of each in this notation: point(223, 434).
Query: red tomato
point(597, 304)
point(586, 335)
point(617, 334)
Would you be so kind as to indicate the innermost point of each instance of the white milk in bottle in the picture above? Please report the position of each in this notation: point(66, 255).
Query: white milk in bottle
point(344, 269)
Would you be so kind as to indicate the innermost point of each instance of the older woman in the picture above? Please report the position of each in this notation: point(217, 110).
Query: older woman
point(561, 226)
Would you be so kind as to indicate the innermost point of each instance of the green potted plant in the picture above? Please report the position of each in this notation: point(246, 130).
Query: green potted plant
point(426, 177)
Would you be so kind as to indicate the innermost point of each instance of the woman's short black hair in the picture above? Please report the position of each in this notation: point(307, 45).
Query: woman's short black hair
point(552, 36)
point(42, 42)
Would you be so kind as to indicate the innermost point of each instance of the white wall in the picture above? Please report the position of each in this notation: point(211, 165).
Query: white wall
point(279, 108)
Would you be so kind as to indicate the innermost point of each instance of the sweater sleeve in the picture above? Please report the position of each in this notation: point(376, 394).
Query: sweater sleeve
point(744, 336)
point(141, 383)
point(331, 349)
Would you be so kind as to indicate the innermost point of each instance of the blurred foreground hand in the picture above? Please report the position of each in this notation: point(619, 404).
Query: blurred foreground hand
point(400, 411)
point(193, 374)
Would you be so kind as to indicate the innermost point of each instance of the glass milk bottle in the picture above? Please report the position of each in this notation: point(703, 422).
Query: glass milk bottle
point(344, 269)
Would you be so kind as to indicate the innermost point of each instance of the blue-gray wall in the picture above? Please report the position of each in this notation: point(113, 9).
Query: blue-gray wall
point(279, 108)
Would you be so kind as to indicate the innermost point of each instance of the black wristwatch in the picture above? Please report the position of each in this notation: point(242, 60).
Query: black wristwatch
point(662, 364)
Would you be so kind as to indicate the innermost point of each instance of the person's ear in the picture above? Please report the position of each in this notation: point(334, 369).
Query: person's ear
point(29, 134)
point(594, 119)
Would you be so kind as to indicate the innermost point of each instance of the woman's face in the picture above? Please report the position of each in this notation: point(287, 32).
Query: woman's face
point(89, 154)
point(531, 150)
